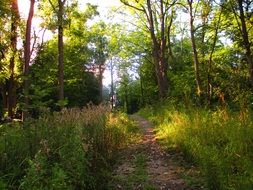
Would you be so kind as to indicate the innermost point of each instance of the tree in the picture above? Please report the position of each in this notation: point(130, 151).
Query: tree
point(99, 52)
point(216, 28)
point(158, 15)
point(59, 10)
point(245, 34)
point(194, 48)
point(4, 38)
point(27, 57)
point(133, 49)
point(13, 38)
point(81, 85)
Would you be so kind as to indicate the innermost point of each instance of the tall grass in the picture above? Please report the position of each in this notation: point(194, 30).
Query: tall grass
point(71, 149)
point(220, 142)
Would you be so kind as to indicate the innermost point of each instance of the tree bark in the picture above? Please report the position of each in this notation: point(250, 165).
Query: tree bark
point(194, 48)
point(126, 98)
point(11, 83)
point(246, 42)
point(161, 66)
point(158, 38)
point(170, 52)
point(60, 50)
point(3, 99)
point(27, 56)
point(209, 69)
point(100, 78)
point(142, 89)
point(112, 86)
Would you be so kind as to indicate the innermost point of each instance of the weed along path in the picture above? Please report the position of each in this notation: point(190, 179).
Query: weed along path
point(145, 166)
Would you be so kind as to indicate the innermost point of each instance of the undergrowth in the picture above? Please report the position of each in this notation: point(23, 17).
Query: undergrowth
point(220, 142)
point(71, 149)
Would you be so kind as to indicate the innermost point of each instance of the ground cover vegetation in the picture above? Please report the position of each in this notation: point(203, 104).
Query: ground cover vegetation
point(71, 149)
point(218, 141)
point(188, 64)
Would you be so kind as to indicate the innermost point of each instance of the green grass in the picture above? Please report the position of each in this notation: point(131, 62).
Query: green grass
point(220, 142)
point(71, 149)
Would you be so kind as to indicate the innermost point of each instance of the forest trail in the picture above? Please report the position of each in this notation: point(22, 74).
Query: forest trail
point(145, 166)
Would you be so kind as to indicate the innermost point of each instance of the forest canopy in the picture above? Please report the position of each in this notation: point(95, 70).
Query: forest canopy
point(72, 74)
point(196, 52)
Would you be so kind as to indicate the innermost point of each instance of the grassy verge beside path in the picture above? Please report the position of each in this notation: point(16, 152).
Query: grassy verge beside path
point(220, 142)
point(71, 149)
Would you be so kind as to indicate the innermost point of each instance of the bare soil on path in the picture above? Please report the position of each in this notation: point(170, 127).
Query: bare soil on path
point(146, 166)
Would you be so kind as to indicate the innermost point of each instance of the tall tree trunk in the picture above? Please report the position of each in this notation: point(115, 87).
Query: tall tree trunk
point(142, 90)
point(4, 96)
point(170, 52)
point(161, 74)
point(209, 69)
point(161, 66)
point(100, 78)
point(194, 48)
point(14, 36)
point(27, 55)
point(60, 50)
point(158, 36)
point(3, 100)
point(246, 41)
point(126, 98)
point(112, 86)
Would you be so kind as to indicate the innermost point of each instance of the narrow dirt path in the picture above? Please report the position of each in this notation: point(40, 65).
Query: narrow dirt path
point(145, 166)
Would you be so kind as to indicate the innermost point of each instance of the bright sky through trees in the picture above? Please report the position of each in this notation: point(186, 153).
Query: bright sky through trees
point(103, 8)
point(185, 65)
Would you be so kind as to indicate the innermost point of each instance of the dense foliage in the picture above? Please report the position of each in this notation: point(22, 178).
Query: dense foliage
point(197, 53)
point(205, 52)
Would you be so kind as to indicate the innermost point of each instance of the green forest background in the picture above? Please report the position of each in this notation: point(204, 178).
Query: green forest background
point(186, 65)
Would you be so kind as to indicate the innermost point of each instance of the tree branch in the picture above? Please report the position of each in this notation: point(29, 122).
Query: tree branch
point(132, 6)
point(64, 1)
point(169, 5)
point(52, 5)
point(195, 11)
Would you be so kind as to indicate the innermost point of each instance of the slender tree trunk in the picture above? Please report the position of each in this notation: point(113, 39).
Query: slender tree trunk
point(100, 88)
point(209, 69)
point(100, 78)
point(246, 41)
point(158, 39)
point(27, 55)
point(112, 85)
point(194, 48)
point(14, 35)
point(4, 96)
point(60, 50)
point(142, 90)
point(2, 100)
point(170, 52)
point(126, 99)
